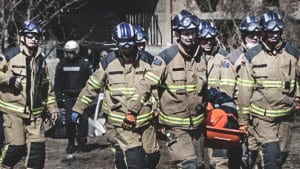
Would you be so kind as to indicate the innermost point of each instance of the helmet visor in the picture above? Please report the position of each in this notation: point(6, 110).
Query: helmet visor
point(208, 32)
point(186, 22)
point(273, 24)
point(126, 45)
point(254, 26)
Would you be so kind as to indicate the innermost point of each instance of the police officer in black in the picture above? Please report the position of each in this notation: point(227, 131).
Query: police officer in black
point(72, 72)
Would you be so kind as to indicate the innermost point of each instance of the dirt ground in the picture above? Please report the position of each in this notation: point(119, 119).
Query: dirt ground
point(100, 155)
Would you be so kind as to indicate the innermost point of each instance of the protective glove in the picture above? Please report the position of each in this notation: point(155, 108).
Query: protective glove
point(297, 102)
point(74, 117)
point(129, 122)
point(15, 82)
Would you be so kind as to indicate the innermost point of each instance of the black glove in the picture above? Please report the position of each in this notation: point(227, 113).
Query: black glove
point(16, 83)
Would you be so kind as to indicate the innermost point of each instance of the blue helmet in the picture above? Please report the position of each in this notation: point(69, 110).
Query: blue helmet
point(271, 21)
point(141, 34)
point(124, 35)
point(207, 29)
point(185, 20)
point(31, 27)
point(250, 24)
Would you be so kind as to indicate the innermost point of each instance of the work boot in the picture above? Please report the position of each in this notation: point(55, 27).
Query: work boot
point(71, 149)
point(82, 148)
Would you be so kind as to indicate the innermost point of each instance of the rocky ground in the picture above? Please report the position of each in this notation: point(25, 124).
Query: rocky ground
point(100, 155)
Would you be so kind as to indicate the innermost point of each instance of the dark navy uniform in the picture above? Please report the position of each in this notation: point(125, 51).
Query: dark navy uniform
point(70, 77)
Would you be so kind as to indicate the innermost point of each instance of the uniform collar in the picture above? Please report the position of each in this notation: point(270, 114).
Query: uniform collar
point(185, 54)
point(273, 51)
point(26, 52)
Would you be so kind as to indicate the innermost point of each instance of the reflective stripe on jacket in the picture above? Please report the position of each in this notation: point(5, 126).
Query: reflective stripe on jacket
point(39, 95)
point(267, 84)
point(181, 82)
point(118, 78)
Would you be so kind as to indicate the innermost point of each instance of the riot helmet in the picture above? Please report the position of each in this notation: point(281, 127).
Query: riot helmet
point(185, 20)
point(207, 29)
point(71, 49)
point(271, 21)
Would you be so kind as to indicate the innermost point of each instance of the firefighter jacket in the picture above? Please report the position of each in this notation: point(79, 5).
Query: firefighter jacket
point(36, 93)
point(220, 71)
point(70, 77)
point(237, 59)
point(118, 78)
point(181, 82)
point(269, 82)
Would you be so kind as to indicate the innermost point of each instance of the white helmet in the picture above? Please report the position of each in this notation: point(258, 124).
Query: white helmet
point(71, 46)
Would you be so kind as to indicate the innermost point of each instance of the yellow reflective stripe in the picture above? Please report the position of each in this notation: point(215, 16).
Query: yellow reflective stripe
point(152, 77)
point(104, 105)
point(46, 80)
point(3, 153)
point(11, 107)
point(94, 83)
point(23, 82)
point(212, 81)
point(50, 99)
point(86, 100)
point(245, 83)
point(174, 88)
point(37, 111)
point(181, 121)
point(270, 113)
point(123, 90)
point(139, 119)
point(228, 82)
point(144, 117)
point(274, 84)
point(244, 110)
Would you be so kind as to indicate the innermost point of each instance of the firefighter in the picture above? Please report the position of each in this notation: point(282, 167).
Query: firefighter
point(221, 76)
point(141, 37)
point(179, 75)
point(25, 96)
point(71, 74)
point(120, 71)
point(268, 92)
point(250, 32)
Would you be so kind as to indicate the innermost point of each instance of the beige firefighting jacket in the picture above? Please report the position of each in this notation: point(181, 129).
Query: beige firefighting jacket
point(40, 93)
point(119, 79)
point(181, 82)
point(237, 59)
point(269, 81)
point(220, 71)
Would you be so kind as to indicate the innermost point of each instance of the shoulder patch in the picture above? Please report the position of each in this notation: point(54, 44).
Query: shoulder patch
point(222, 52)
point(226, 64)
point(234, 55)
point(169, 53)
point(86, 60)
point(157, 62)
point(253, 52)
point(292, 50)
point(109, 58)
point(11, 52)
point(146, 57)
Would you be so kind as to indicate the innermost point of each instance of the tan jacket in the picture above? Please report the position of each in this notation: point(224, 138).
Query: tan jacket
point(119, 79)
point(268, 81)
point(182, 84)
point(220, 72)
point(40, 94)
